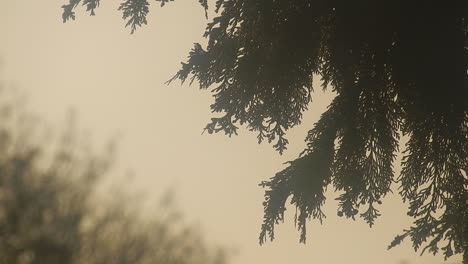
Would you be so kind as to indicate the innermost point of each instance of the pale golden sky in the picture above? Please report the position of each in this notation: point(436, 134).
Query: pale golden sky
point(115, 82)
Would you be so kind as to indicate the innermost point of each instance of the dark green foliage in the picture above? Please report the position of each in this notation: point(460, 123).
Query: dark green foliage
point(91, 5)
point(135, 11)
point(204, 4)
point(68, 12)
point(398, 68)
point(163, 2)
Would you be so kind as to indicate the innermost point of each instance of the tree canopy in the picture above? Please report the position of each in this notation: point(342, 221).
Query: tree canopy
point(398, 68)
point(50, 211)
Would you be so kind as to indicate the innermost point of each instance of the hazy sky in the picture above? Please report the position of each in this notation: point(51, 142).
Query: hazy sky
point(115, 82)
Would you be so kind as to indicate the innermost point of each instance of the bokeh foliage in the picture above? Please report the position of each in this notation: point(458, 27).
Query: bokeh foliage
point(51, 211)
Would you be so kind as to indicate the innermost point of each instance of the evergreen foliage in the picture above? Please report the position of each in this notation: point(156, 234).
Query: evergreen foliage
point(398, 68)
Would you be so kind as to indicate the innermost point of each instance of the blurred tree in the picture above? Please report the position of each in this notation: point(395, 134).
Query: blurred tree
point(397, 68)
point(50, 213)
